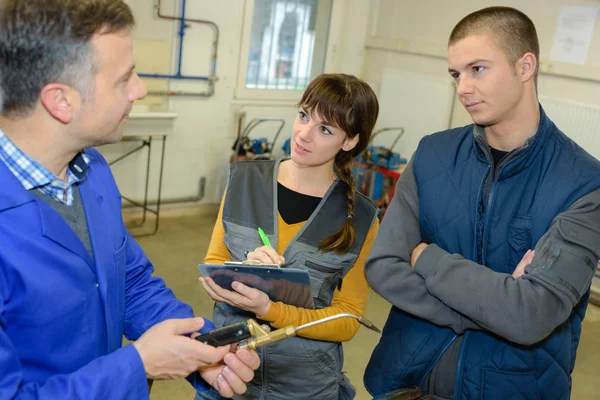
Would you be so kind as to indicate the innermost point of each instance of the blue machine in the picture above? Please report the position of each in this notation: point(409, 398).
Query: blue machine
point(259, 146)
point(383, 157)
point(256, 148)
point(287, 147)
point(377, 155)
point(376, 171)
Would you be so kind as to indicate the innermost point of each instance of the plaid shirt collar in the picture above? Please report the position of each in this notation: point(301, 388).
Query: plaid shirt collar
point(32, 175)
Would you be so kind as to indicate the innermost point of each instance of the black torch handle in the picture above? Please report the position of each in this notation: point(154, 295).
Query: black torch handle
point(226, 335)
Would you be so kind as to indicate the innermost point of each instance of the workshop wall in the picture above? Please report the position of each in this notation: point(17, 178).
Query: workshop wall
point(204, 130)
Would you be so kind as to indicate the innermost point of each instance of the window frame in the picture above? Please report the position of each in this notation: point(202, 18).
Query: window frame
point(285, 95)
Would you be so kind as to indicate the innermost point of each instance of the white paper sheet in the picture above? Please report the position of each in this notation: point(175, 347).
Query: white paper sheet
point(574, 32)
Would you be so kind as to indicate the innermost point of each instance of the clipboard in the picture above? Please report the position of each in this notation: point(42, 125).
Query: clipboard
point(287, 285)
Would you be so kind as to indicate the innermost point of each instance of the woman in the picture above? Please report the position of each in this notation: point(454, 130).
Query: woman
point(315, 220)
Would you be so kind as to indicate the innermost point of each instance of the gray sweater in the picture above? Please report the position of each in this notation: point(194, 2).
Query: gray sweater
point(73, 215)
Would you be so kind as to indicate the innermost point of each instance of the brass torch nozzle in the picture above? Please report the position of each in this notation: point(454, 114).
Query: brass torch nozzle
point(262, 335)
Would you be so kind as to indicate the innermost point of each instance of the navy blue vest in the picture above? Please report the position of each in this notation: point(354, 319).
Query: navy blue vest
point(544, 180)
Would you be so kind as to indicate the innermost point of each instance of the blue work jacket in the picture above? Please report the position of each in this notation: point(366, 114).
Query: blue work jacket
point(63, 314)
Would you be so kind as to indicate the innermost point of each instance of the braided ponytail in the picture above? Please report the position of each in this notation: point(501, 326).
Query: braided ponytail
point(342, 241)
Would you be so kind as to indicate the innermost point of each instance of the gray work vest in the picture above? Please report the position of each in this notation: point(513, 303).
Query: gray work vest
point(295, 368)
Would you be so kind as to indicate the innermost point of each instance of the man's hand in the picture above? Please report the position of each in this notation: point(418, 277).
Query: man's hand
point(525, 261)
point(232, 377)
point(243, 297)
point(166, 354)
point(416, 253)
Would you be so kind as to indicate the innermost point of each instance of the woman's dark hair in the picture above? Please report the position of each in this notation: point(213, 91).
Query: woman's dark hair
point(351, 105)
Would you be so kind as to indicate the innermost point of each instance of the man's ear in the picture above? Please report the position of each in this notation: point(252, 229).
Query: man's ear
point(61, 101)
point(526, 66)
point(350, 143)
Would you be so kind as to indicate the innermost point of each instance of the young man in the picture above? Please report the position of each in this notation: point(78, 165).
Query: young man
point(72, 279)
point(475, 314)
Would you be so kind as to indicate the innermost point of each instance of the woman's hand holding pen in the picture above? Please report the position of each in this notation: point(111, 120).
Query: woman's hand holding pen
point(243, 297)
point(266, 255)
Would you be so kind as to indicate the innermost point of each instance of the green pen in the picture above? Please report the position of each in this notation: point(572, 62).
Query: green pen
point(265, 239)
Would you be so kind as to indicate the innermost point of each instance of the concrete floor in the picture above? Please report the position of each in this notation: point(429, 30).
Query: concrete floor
point(181, 243)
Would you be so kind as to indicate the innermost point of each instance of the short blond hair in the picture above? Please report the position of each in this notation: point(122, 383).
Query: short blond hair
point(512, 31)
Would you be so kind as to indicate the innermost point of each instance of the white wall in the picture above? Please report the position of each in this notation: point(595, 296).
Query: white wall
point(205, 128)
point(411, 36)
point(367, 36)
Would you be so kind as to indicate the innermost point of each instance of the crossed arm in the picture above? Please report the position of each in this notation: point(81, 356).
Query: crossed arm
point(449, 290)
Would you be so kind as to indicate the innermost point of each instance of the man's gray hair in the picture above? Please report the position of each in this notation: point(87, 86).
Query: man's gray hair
point(43, 42)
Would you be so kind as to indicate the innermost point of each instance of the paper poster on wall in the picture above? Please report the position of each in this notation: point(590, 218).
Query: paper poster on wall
point(574, 32)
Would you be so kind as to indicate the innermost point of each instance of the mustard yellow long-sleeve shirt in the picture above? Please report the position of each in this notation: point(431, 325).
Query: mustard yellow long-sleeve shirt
point(351, 298)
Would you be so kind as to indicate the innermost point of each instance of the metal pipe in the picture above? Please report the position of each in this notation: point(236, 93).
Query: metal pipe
point(139, 205)
point(160, 179)
point(241, 117)
point(198, 21)
point(253, 124)
point(144, 143)
point(213, 73)
point(162, 76)
point(399, 129)
point(365, 322)
point(208, 93)
point(148, 179)
point(182, 27)
point(175, 200)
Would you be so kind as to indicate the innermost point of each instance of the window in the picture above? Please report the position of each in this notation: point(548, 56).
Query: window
point(288, 43)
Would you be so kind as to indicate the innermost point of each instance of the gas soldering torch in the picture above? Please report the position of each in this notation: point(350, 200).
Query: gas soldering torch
point(251, 335)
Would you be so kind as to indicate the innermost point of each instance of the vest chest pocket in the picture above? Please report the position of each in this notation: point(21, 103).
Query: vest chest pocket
point(238, 246)
point(500, 385)
point(324, 279)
